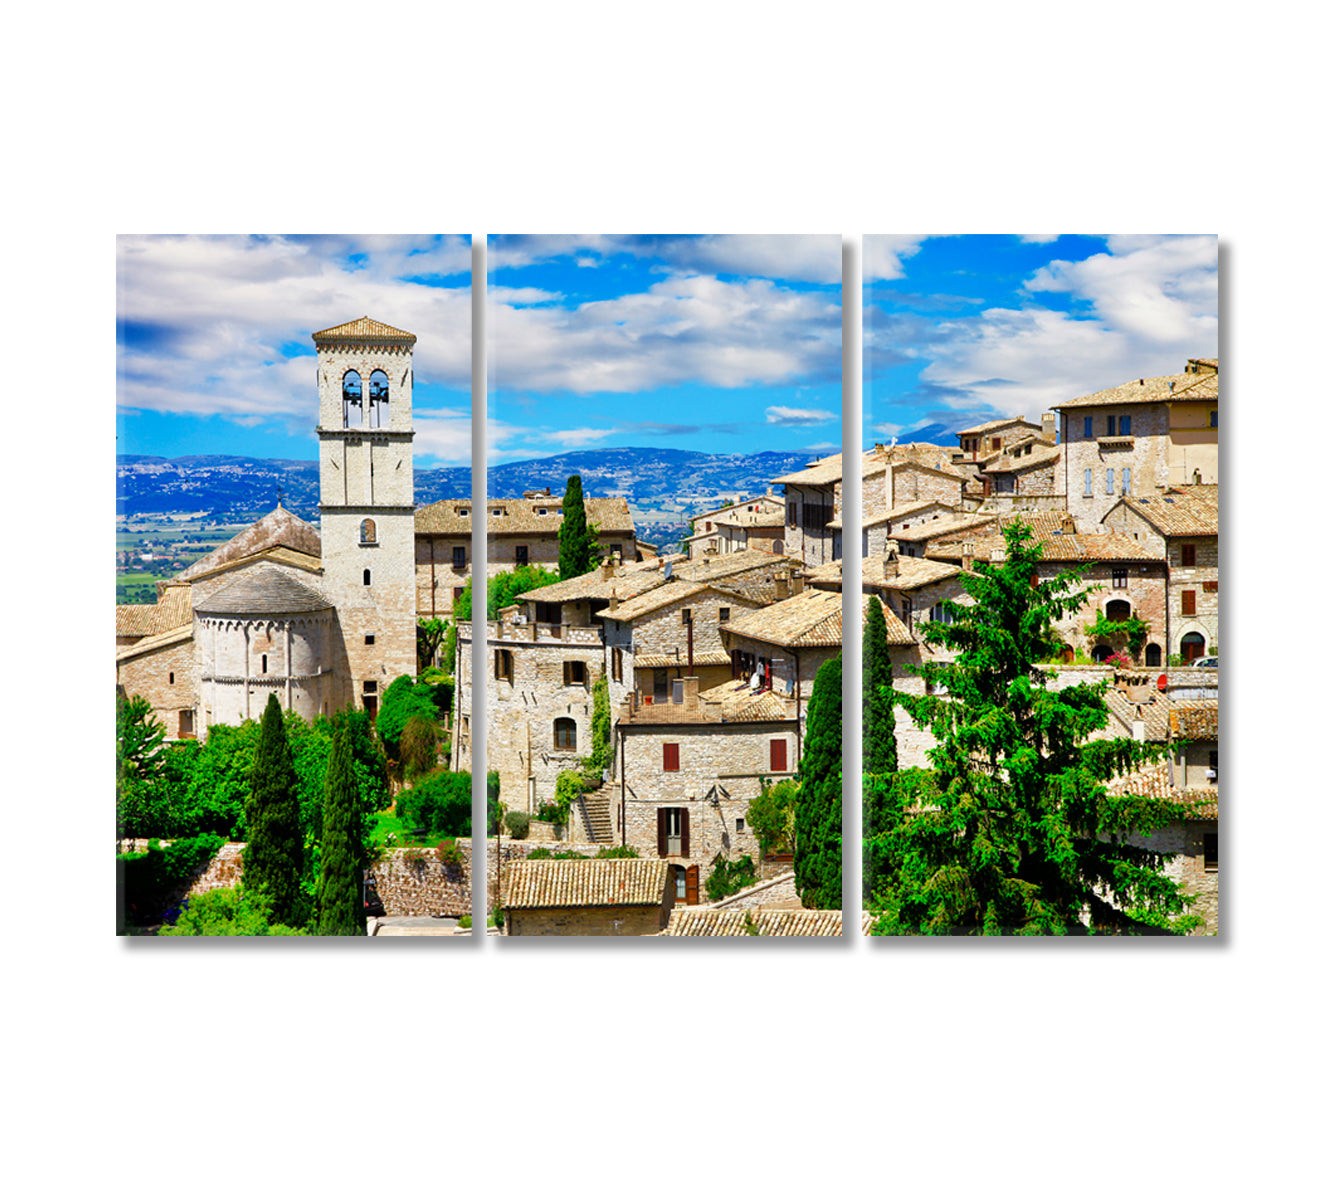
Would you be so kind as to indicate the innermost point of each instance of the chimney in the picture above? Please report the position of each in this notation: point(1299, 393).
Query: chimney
point(798, 584)
point(782, 587)
point(613, 603)
point(1049, 427)
point(891, 564)
point(690, 697)
point(968, 550)
point(608, 569)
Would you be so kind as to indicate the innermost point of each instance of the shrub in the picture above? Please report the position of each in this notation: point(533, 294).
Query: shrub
point(517, 823)
point(727, 878)
point(403, 699)
point(228, 912)
point(449, 854)
point(617, 852)
point(154, 880)
point(465, 921)
point(440, 802)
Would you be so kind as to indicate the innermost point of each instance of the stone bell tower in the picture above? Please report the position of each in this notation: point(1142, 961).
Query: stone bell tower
point(366, 505)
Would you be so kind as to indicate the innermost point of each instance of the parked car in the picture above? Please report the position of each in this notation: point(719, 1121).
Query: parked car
point(1211, 661)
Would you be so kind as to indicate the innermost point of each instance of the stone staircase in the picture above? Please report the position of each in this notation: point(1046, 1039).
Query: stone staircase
point(596, 809)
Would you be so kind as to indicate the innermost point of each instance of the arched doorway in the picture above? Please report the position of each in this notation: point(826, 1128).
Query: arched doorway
point(1101, 653)
point(1192, 647)
point(1153, 655)
point(1118, 610)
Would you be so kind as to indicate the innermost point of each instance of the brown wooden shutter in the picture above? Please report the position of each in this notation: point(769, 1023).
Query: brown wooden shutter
point(692, 884)
point(1187, 555)
point(498, 654)
point(778, 754)
point(662, 833)
point(685, 837)
point(1211, 585)
point(566, 666)
point(1188, 604)
point(671, 756)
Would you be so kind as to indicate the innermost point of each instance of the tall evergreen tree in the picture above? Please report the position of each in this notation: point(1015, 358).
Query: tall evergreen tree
point(579, 550)
point(1013, 831)
point(339, 894)
point(273, 821)
point(880, 754)
point(818, 832)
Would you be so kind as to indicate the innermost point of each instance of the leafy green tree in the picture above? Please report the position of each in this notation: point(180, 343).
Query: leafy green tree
point(273, 854)
point(403, 699)
point(440, 803)
point(1015, 832)
point(502, 589)
point(419, 747)
point(431, 632)
point(598, 758)
point(818, 827)
point(579, 549)
point(880, 754)
point(772, 815)
point(228, 912)
point(338, 899)
point(139, 740)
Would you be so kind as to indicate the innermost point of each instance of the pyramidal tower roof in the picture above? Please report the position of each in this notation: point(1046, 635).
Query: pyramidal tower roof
point(363, 329)
point(278, 528)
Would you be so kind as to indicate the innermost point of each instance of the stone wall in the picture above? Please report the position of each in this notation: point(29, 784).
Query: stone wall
point(1146, 456)
point(626, 920)
point(416, 884)
point(167, 678)
point(910, 482)
point(778, 892)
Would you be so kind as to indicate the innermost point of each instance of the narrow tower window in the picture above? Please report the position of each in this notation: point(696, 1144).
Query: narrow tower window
point(351, 400)
point(366, 577)
point(379, 400)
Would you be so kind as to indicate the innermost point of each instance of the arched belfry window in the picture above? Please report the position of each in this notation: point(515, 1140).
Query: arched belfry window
point(379, 400)
point(1118, 610)
point(367, 531)
point(351, 400)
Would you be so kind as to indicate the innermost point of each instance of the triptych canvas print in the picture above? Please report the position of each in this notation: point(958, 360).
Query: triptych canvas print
point(619, 602)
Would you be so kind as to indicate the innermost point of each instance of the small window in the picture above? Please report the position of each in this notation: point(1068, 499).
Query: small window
point(671, 756)
point(1188, 603)
point(1111, 426)
point(685, 616)
point(1125, 481)
point(1211, 585)
point(564, 734)
point(186, 723)
point(1213, 419)
point(616, 664)
point(504, 665)
point(576, 674)
point(1188, 555)
point(463, 512)
point(367, 532)
point(369, 687)
point(724, 613)
point(1120, 577)
point(263, 664)
point(995, 443)
point(520, 556)
point(458, 593)
point(1125, 427)
point(1111, 481)
point(171, 676)
point(791, 514)
point(1088, 481)
point(778, 754)
point(740, 824)
point(460, 554)
point(674, 832)
point(366, 577)
point(370, 639)
point(616, 548)
point(495, 512)
point(1211, 852)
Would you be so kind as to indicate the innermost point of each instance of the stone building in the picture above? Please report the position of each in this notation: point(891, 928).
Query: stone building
point(598, 897)
point(1139, 437)
point(883, 523)
point(813, 497)
point(978, 443)
point(522, 532)
point(1029, 468)
point(322, 619)
point(1180, 524)
point(752, 524)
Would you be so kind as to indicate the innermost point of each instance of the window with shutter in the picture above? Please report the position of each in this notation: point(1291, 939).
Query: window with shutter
point(662, 833)
point(1187, 555)
point(1188, 604)
point(1211, 585)
point(1111, 426)
point(1111, 481)
point(460, 555)
point(778, 754)
point(1088, 481)
point(671, 756)
point(565, 734)
point(692, 885)
point(1088, 427)
point(685, 831)
point(1125, 426)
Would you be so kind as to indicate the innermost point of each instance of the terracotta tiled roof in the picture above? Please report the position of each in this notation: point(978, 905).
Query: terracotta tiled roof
point(881, 515)
point(265, 589)
point(943, 527)
point(1178, 513)
point(813, 618)
point(279, 528)
point(182, 633)
point(585, 883)
point(708, 658)
point(146, 620)
point(363, 329)
point(774, 502)
point(1154, 781)
point(1024, 462)
point(1059, 547)
point(669, 593)
point(1161, 389)
point(740, 704)
point(1153, 712)
point(731, 922)
point(821, 473)
point(912, 572)
point(1194, 720)
point(626, 583)
point(1000, 423)
point(611, 514)
point(721, 566)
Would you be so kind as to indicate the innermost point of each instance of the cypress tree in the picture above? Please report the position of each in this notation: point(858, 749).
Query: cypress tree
point(339, 894)
point(880, 754)
point(818, 833)
point(273, 821)
point(579, 550)
point(1013, 830)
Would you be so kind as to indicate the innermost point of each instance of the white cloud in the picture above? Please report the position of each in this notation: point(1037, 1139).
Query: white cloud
point(1155, 304)
point(777, 414)
point(1038, 238)
point(224, 312)
point(883, 254)
point(682, 329)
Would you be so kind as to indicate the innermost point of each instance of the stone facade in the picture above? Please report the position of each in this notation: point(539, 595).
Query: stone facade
point(164, 671)
point(1099, 469)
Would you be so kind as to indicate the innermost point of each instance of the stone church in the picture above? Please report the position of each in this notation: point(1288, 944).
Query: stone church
point(320, 618)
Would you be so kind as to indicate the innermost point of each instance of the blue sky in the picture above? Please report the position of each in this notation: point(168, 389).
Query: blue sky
point(721, 344)
point(960, 330)
point(213, 348)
